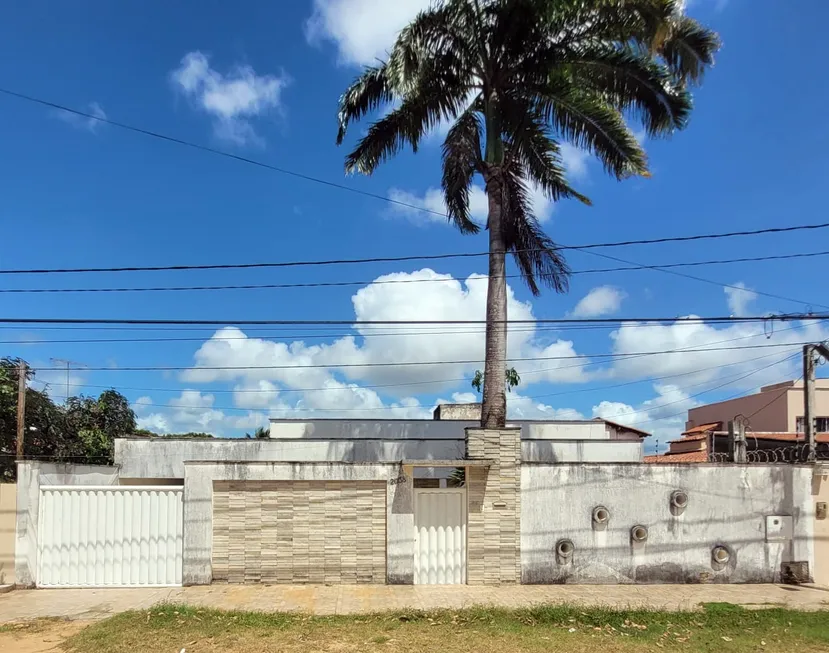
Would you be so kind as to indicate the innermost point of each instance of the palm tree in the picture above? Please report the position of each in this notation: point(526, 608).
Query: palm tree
point(515, 78)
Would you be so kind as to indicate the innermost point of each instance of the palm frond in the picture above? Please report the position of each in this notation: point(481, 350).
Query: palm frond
point(632, 82)
point(535, 254)
point(689, 48)
point(532, 148)
point(439, 95)
point(461, 160)
point(367, 93)
point(439, 31)
point(587, 120)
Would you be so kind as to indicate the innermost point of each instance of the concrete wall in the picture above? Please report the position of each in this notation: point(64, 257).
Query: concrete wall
point(358, 441)
point(338, 429)
point(8, 517)
point(820, 492)
point(587, 451)
point(30, 476)
point(727, 505)
point(165, 458)
point(198, 503)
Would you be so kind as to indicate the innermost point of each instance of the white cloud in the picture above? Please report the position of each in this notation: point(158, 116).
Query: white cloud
point(724, 349)
point(362, 30)
point(602, 300)
point(663, 415)
point(232, 100)
point(739, 298)
point(193, 411)
point(432, 200)
point(82, 122)
point(575, 161)
point(378, 355)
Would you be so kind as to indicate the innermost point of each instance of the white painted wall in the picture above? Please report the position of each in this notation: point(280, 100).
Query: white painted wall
point(356, 441)
point(728, 505)
point(585, 451)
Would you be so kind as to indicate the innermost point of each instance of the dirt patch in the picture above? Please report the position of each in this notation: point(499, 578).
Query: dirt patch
point(38, 636)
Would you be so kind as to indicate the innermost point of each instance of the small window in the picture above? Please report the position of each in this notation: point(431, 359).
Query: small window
point(821, 424)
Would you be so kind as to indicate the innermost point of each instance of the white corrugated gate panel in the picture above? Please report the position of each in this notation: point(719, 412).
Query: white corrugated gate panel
point(110, 536)
point(440, 536)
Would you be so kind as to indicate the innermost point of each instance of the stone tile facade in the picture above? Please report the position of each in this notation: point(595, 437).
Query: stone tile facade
point(299, 531)
point(494, 516)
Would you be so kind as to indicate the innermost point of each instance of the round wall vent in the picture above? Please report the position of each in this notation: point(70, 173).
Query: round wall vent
point(639, 533)
point(601, 515)
point(679, 499)
point(565, 548)
point(720, 555)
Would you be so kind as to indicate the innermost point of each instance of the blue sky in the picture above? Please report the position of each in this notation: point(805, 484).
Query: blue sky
point(262, 79)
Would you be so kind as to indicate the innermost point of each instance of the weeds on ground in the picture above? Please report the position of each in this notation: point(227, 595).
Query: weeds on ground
point(717, 627)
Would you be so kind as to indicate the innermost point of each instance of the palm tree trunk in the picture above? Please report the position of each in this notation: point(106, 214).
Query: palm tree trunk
point(494, 409)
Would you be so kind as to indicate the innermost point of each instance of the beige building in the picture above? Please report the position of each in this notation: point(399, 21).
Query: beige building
point(775, 409)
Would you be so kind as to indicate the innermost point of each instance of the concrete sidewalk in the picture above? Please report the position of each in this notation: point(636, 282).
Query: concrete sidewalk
point(90, 604)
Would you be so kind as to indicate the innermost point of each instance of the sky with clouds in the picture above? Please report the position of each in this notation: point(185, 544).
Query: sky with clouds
point(262, 80)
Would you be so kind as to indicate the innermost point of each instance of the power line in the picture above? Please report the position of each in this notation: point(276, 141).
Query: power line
point(293, 410)
point(688, 349)
point(409, 363)
point(719, 387)
point(366, 282)
point(664, 268)
point(364, 335)
point(782, 317)
point(332, 184)
point(428, 257)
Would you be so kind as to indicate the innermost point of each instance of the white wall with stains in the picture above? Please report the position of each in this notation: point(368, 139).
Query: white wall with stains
point(727, 506)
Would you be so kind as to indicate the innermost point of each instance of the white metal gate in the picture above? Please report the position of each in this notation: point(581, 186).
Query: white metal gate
point(109, 536)
point(440, 536)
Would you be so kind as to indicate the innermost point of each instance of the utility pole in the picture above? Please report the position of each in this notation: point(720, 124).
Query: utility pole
point(21, 407)
point(737, 441)
point(810, 353)
point(809, 400)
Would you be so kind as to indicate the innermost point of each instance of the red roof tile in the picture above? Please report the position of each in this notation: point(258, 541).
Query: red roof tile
point(704, 428)
point(690, 457)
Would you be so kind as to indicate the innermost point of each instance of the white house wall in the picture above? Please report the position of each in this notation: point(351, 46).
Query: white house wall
point(727, 506)
point(163, 458)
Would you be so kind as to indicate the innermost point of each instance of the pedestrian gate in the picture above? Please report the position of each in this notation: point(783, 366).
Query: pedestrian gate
point(440, 536)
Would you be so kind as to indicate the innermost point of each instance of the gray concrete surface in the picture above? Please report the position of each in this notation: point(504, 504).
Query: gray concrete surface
point(727, 505)
point(92, 604)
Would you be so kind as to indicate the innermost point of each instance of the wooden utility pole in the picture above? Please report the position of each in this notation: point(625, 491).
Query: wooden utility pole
point(21, 407)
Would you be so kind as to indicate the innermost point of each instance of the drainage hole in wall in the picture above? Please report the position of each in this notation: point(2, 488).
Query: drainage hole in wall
point(639, 533)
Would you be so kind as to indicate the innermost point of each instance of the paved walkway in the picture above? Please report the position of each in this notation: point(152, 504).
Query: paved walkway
point(88, 604)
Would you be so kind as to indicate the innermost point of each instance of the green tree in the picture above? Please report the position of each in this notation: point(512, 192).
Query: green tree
point(512, 379)
point(516, 78)
point(46, 436)
point(96, 422)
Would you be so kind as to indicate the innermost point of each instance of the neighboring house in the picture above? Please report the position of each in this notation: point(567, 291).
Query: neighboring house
point(775, 409)
point(710, 443)
point(437, 501)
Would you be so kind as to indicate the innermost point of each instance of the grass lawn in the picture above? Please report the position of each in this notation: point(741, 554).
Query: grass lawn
point(482, 630)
